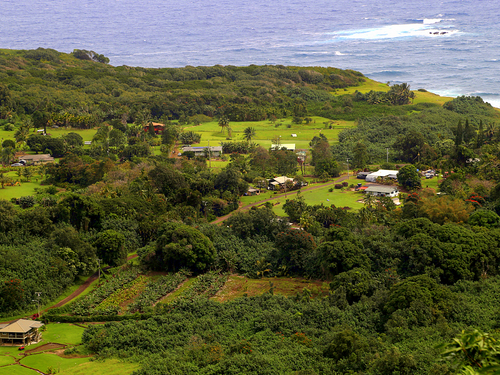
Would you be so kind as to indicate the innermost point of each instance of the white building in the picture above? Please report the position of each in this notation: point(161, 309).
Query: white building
point(382, 191)
point(372, 177)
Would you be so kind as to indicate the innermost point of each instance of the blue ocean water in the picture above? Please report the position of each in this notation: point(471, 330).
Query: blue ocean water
point(450, 47)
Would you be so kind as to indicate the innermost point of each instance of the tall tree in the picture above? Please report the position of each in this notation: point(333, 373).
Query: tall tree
point(223, 123)
point(459, 134)
point(249, 133)
point(469, 132)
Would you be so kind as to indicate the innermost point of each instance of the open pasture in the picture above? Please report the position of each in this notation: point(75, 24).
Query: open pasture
point(265, 131)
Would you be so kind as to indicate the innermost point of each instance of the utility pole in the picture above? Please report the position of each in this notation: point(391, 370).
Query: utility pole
point(38, 302)
point(387, 148)
point(209, 156)
point(99, 272)
point(347, 168)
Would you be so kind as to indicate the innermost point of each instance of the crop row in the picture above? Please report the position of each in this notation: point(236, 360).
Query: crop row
point(205, 286)
point(85, 305)
point(111, 305)
point(157, 289)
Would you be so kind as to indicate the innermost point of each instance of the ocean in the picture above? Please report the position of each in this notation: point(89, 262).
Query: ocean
point(449, 47)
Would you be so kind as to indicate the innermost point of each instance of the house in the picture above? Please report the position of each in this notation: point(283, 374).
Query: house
point(157, 126)
point(382, 191)
point(287, 146)
point(278, 182)
point(37, 159)
point(20, 332)
point(252, 191)
point(215, 151)
point(372, 177)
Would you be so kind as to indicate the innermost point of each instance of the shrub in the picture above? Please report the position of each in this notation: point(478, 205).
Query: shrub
point(338, 186)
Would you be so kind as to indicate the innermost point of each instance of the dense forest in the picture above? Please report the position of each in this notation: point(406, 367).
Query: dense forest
point(403, 281)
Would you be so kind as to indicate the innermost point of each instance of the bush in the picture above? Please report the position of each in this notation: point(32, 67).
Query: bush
point(345, 184)
point(338, 186)
point(27, 201)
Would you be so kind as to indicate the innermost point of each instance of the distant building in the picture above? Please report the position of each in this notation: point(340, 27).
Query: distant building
point(382, 191)
point(20, 332)
point(372, 177)
point(157, 126)
point(37, 159)
point(288, 146)
point(278, 182)
point(215, 151)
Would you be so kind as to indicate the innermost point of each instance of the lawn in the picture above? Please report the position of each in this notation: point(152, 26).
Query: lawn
point(23, 188)
point(266, 131)
point(44, 361)
point(108, 367)
point(16, 370)
point(6, 360)
point(320, 195)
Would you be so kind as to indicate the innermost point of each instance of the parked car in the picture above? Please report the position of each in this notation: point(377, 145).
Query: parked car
point(17, 165)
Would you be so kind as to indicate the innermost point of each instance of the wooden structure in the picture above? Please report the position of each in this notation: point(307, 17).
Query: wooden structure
point(20, 332)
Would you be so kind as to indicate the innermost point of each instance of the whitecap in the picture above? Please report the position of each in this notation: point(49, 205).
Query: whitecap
point(338, 53)
point(431, 21)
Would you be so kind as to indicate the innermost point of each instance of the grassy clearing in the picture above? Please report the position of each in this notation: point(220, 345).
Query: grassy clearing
point(240, 286)
point(44, 361)
point(61, 333)
point(16, 370)
point(367, 86)
point(6, 360)
point(108, 367)
point(266, 131)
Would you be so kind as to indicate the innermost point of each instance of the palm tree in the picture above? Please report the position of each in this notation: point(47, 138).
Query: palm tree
point(223, 123)
point(7, 155)
point(21, 134)
point(249, 133)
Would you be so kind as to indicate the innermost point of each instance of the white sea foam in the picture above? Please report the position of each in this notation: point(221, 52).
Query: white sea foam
point(431, 21)
point(393, 31)
point(338, 53)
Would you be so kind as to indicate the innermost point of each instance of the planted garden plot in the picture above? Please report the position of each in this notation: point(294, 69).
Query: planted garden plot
point(204, 287)
point(154, 290)
point(86, 306)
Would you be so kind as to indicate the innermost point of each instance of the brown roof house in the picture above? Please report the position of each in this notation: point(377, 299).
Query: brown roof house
point(37, 159)
point(20, 332)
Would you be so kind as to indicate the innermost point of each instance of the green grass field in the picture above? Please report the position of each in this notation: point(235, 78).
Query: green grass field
point(265, 131)
point(16, 370)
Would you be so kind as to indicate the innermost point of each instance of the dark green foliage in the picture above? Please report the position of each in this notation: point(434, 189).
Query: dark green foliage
point(409, 178)
point(260, 222)
point(181, 246)
point(469, 105)
point(110, 246)
point(335, 257)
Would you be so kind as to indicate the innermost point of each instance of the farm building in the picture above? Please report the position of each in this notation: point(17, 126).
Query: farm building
point(372, 177)
point(20, 332)
point(215, 151)
point(382, 191)
point(37, 159)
